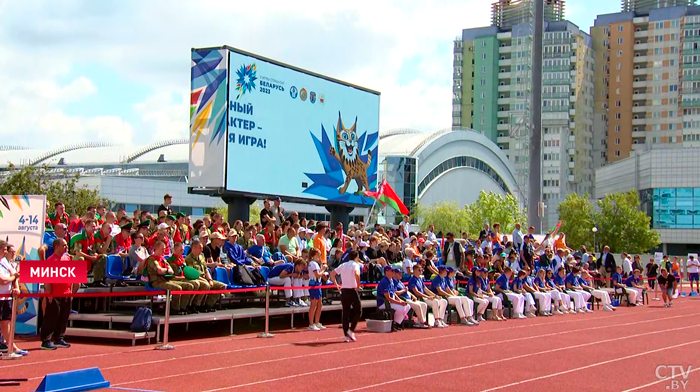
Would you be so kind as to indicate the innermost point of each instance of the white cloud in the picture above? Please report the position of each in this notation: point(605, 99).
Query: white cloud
point(364, 42)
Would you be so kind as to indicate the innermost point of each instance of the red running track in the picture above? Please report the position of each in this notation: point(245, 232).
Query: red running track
point(602, 351)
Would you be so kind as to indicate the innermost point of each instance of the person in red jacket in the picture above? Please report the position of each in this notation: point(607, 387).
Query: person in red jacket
point(55, 321)
point(59, 215)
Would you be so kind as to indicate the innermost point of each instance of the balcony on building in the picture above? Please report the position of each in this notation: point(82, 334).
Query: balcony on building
point(640, 58)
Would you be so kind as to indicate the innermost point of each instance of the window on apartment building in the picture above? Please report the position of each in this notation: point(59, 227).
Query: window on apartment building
point(619, 28)
point(659, 25)
point(617, 91)
point(619, 53)
point(658, 51)
point(617, 116)
point(673, 87)
point(483, 95)
point(483, 43)
point(482, 108)
point(617, 153)
point(619, 66)
point(483, 82)
point(617, 141)
point(617, 78)
point(676, 23)
point(659, 38)
point(482, 121)
point(617, 128)
point(483, 56)
point(618, 103)
point(619, 40)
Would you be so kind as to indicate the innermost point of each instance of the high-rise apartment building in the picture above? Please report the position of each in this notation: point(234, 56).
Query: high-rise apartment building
point(647, 78)
point(492, 94)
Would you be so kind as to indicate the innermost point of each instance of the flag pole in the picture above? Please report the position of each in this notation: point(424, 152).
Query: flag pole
point(370, 213)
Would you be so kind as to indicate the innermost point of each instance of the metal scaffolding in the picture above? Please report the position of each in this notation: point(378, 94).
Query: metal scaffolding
point(508, 13)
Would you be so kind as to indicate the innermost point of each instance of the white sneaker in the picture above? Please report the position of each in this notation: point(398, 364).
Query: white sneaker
point(320, 326)
point(589, 310)
point(558, 312)
point(531, 315)
point(348, 340)
point(521, 316)
point(313, 327)
point(351, 335)
point(607, 309)
point(481, 318)
point(581, 310)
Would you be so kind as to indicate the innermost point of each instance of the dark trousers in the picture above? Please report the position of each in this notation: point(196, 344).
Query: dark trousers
point(55, 319)
point(352, 309)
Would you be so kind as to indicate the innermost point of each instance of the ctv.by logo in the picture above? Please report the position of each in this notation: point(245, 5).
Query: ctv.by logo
point(670, 373)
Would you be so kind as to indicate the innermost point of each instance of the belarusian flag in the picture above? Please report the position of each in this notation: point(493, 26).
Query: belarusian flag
point(387, 196)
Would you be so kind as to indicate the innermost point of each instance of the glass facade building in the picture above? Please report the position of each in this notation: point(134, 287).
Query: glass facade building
point(676, 208)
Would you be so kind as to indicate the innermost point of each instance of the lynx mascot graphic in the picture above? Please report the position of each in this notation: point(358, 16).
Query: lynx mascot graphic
point(347, 154)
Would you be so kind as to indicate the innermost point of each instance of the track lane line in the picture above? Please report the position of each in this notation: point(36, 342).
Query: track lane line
point(498, 361)
point(657, 382)
point(423, 354)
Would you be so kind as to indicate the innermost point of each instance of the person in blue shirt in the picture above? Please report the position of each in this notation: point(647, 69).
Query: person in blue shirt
point(585, 281)
point(543, 297)
point(417, 287)
point(440, 286)
point(618, 282)
point(474, 292)
point(282, 275)
point(519, 283)
point(489, 295)
point(558, 292)
point(419, 307)
point(260, 254)
point(503, 289)
point(466, 302)
point(540, 283)
point(386, 294)
point(573, 288)
point(634, 283)
point(235, 252)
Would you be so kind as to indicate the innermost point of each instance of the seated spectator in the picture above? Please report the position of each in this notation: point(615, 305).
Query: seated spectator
point(212, 251)
point(46, 249)
point(496, 303)
point(196, 260)
point(83, 246)
point(282, 275)
point(518, 287)
point(586, 283)
point(235, 252)
point(160, 235)
point(417, 287)
point(475, 293)
point(408, 261)
point(503, 290)
point(122, 241)
point(386, 297)
point(634, 283)
point(618, 283)
point(574, 289)
point(560, 299)
point(289, 246)
point(420, 308)
point(177, 264)
point(271, 239)
point(157, 268)
point(260, 254)
point(464, 306)
point(137, 255)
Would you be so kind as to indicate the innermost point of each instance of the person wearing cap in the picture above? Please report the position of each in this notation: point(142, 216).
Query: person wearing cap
point(418, 288)
point(182, 231)
point(496, 302)
point(457, 300)
point(234, 251)
point(503, 289)
point(212, 251)
point(476, 294)
point(84, 247)
point(167, 201)
point(122, 241)
point(386, 297)
point(574, 289)
point(420, 308)
point(46, 249)
point(177, 263)
point(519, 287)
point(195, 259)
point(156, 269)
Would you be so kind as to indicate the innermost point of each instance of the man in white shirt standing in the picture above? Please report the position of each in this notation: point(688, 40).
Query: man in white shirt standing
point(517, 237)
point(349, 296)
point(404, 228)
point(626, 264)
point(431, 234)
point(693, 268)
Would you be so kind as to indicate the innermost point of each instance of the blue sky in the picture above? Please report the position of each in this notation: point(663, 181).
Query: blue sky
point(118, 71)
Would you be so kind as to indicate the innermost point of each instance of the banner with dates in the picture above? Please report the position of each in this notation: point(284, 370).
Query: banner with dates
point(22, 225)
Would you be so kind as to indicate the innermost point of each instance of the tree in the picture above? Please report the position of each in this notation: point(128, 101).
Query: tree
point(253, 218)
point(494, 208)
point(576, 214)
point(63, 187)
point(623, 226)
point(446, 216)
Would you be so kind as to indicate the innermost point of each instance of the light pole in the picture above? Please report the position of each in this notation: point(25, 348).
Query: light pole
point(594, 230)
